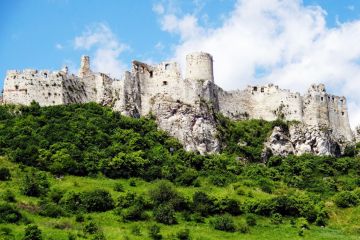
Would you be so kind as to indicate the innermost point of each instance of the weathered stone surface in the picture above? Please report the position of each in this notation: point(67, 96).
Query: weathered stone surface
point(301, 139)
point(194, 126)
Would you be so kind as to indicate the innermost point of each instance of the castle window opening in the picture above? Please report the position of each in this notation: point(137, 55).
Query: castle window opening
point(322, 98)
point(16, 87)
point(342, 113)
point(255, 89)
point(151, 74)
point(165, 83)
point(167, 66)
point(262, 89)
point(45, 74)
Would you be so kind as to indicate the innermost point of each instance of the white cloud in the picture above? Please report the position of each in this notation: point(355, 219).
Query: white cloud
point(106, 48)
point(288, 41)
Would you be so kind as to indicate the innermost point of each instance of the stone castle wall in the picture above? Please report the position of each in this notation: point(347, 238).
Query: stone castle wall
point(147, 88)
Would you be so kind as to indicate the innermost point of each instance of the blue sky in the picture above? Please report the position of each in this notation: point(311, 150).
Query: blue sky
point(48, 34)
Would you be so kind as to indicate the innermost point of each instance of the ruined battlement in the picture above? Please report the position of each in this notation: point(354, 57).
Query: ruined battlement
point(140, 89)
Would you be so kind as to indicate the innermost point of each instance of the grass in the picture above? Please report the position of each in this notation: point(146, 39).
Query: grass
point(343, 223)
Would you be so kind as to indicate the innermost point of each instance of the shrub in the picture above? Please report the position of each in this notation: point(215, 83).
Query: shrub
point(32, 232)
point(91, 228)
point(219, 180)
point(90, 201)
point(183, 234)
point(79, 218)
point(71, 201)
point(276, 218)
point(134, 213)
point(302, 223)
point(346, 199)
point(4, 174)
point(118, 187)
point(187, 178)
point(231, 206)
point(9, 214)
point(97, 200)
point(154, 232)
point(55, 195)
point(203, 204)
point(250, 219)
point(165, 192)
point(224, 223)
point(136, 230)
point(165, 214)
point(243, 228)
point(9, 196)
point(98, 236)
point(52, 210)
point(6, 233)
point(34, 183)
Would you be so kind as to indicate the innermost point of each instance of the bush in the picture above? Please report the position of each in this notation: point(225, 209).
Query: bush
point(118, 187)
point(154, 232)
point(90, 201)
point(9, 214)
point(243, 228)
point(34, 184)
point(32, 232)
point(55, 195)
point(224, 223)
point(8, 196)
point(6, 233)
point(52, 210)
point(4, 174)
point(250, 219)
point(135, 212)
point(165, 214)
point(276, 218)
point(164, 192)
point(79, 218)
point(97, 201)
point(98, 236)
point(91, 228)
point(187, 178)
point(203, 204)
point(136, 230)
point(183, 234)
point(346, 199)
point(231, 206)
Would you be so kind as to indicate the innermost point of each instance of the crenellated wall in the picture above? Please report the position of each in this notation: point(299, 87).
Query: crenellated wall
point(146, 87)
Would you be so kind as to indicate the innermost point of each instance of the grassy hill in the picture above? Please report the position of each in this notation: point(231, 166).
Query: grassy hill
point(85, 172)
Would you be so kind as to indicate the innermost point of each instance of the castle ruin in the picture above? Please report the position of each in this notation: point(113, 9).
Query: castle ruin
point(186, 103)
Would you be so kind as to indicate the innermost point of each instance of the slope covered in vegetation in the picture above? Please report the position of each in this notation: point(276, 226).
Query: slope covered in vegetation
point(85, 172)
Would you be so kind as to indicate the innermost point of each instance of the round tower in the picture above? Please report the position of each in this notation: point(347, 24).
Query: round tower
point(199, 66)
point(84, 66)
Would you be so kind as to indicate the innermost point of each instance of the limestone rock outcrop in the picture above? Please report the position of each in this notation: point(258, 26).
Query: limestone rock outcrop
point(194, 126)
point(301, 139)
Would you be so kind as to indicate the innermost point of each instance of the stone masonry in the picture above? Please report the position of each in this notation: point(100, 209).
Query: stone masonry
point(183, 106)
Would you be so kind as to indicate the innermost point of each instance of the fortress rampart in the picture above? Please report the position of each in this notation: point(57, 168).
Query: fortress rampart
point(137, 92)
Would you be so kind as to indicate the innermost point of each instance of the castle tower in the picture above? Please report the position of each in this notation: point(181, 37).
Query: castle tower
point(200, 79)
point(85, 66)
point(199, 66)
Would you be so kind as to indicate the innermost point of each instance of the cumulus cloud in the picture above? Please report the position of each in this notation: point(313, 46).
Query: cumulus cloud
point(105, 47)
point(283, 42)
